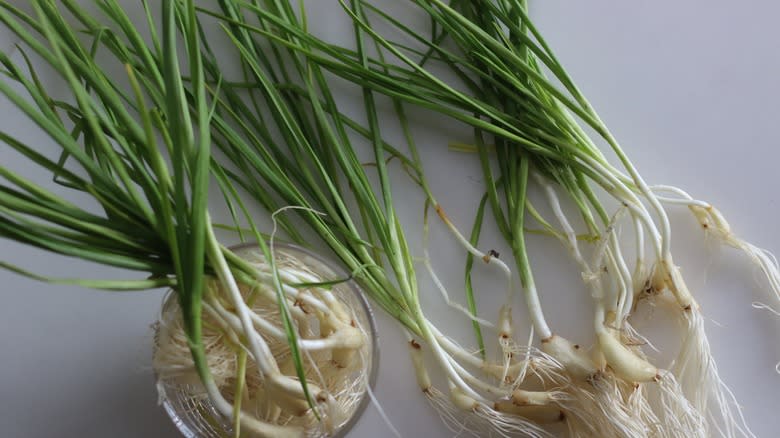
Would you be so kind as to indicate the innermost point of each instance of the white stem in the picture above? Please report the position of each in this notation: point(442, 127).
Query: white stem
point(262, 354)
point(479, 384)
point(617, 286)
point(443, 358)
point(470, 248)
point(639, 268)
point(688, 202)
point(222, 323)
point(621, 192)
point(292, 292)
point(666, 229)
point(446, 296)
point(534, 307)
point(571, 236)
point(418, 361)
point(625, 282)
point(489, 259)
point(456, 350)
point(333, 341)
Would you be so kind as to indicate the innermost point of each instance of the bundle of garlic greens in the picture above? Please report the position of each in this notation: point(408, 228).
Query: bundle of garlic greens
point(270, 341)
point(266, 329)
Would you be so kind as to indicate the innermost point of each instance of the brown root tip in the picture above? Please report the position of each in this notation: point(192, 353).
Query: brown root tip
point(636, 386)
point(657, 378)
point(576, 346)
point(427, 390)
point(321, 398)
point(546, 340)
point(562, 416)
point(353, 324)
point(504, 336)
point(415, 345)
point(687, 308)
point(486, 258)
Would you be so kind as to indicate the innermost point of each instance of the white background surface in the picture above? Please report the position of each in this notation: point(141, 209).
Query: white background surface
point(689, 88)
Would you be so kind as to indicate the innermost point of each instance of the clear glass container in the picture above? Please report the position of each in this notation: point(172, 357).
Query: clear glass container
point(196, 417)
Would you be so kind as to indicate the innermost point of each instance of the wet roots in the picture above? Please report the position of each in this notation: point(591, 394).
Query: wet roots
point(337, 373)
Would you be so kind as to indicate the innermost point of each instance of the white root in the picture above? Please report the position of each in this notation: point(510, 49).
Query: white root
point(511, 425)
point(714, 223)
point(454, 419)
point(678, 417)
point(596, 406)
point(698, 375)
point(598, 409)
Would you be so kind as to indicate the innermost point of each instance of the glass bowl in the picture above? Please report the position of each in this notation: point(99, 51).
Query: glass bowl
point(196, 417)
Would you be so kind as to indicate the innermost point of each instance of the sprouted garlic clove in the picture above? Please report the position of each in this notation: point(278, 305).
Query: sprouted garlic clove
point(505, 322)
point(421, 373)
point(537, 414)
point(574, 360)
point(351, 340)
point(669, 274)
point(623, 362)
point(461, 400)
point(521, 397)
point(496, 370)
